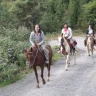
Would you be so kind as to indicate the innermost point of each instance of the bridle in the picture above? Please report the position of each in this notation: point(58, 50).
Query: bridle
point(34, 57)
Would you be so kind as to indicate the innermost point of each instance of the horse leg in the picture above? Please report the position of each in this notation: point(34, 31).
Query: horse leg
point(92, 50)
point(42, 70)
point(75, 58)
point(88, 50)
point(48, 67)
point(36, 74)
point(67, 61)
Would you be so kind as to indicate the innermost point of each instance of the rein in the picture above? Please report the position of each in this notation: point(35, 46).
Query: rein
point(34, 57)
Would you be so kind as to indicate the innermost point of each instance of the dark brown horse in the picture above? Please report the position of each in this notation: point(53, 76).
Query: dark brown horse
point(35, 57)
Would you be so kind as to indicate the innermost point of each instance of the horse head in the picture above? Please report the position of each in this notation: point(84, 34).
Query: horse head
point(31, 55)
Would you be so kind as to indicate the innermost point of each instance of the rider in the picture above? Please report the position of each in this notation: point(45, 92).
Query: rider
point(37, 37)
point(67, 33)
point(89, 31)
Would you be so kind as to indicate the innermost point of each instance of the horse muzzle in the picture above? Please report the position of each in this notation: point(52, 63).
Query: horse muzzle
point(30, 66)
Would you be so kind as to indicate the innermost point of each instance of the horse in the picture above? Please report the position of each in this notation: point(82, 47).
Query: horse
point(90, 44)
point(66, 50)
point(35, 57)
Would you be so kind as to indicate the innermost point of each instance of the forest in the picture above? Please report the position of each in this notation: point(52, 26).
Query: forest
point(17, 20)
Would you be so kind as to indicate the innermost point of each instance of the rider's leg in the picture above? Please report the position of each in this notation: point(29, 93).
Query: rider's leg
point(85, 41)
point(46, 53)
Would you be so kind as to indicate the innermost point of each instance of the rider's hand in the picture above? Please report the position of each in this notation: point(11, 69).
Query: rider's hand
point(35, 45)
point(38, 44)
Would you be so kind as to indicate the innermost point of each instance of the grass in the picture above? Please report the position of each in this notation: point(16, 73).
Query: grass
point(78, 32)
point(54, 35)
point(56, 56)
point(15, 75)
point(12, 80)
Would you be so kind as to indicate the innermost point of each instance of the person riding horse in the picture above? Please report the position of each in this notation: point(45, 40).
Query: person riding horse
point(37, 39)
point(67, 33)
point(89, 32)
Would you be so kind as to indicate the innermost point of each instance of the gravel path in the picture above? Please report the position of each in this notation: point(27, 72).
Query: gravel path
point(79, 80)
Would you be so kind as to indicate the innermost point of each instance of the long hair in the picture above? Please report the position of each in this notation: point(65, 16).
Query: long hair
point(65, 24)
point(39, 28)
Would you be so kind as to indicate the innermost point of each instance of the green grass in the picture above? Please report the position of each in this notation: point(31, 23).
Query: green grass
point(11, 80)
point(15, 74)
point(56, 56)
point(78, 32)
point(52, 36)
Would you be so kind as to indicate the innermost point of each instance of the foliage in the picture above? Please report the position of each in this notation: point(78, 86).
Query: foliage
point(50, 14)
point(90, 12)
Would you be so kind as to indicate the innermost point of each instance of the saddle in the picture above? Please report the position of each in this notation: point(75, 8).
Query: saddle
point(42, 52)
point(72, 45)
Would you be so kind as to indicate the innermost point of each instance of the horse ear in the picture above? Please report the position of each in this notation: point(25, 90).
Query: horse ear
point(31, 49)
point(25, 51)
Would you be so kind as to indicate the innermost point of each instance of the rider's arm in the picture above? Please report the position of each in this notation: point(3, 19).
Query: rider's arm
point(42, 37)
point(31, 38)
point(70, 33)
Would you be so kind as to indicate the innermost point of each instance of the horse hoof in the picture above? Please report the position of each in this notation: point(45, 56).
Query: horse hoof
point(66, 69)
point(44, 82)
point(47, 79)
point(37, 86)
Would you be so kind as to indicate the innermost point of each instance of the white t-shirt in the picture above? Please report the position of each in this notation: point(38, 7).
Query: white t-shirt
point(90, 31)
point(67, 33)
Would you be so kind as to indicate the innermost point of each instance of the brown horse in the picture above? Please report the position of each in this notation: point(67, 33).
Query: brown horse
point(90, 44)
point(35, 57)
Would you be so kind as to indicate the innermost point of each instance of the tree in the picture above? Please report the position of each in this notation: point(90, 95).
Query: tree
point(89, 13)
point(25, 11)
point(74, 11)
point(54, 15)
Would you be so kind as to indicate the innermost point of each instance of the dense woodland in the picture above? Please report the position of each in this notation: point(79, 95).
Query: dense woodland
point(50, 14)
point(18, 17)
